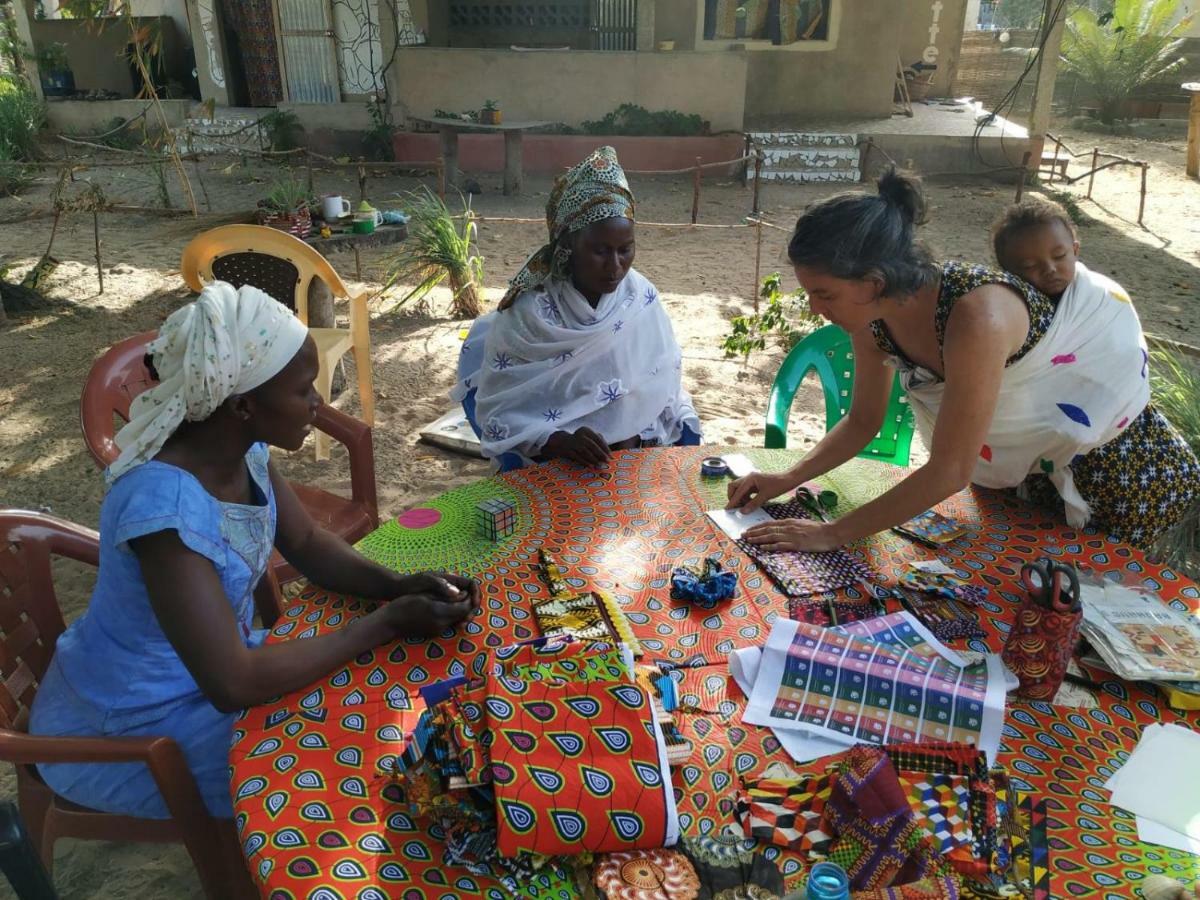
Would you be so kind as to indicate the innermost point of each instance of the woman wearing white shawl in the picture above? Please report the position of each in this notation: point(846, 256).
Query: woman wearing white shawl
point(1004, 383)
point(167, 645)
point(581, 358)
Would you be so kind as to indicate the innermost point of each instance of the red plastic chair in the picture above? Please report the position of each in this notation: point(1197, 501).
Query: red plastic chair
point(121, 374)
point(30, 623)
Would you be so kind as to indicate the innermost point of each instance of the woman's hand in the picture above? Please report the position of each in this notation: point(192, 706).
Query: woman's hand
point(795, 534)
point(438, 585)
point(424, 615)
point(751, 492)
point(585, 447)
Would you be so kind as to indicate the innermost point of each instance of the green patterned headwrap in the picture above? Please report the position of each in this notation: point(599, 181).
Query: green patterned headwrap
point(592, 191)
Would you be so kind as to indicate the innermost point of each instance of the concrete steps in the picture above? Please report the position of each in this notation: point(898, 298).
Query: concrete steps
point(230, 131)
point(801, 157)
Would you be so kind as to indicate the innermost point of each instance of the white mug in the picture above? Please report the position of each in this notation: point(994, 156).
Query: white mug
point(334, 207)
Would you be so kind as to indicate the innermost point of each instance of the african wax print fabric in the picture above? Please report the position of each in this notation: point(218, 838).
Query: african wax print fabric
point(787, 812)
point(624, 535)
point(879, 842)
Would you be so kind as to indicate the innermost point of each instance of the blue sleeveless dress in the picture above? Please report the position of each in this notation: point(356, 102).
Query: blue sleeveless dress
point(114, 673)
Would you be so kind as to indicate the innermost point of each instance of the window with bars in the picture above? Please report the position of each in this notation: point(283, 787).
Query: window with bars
point(578, 24)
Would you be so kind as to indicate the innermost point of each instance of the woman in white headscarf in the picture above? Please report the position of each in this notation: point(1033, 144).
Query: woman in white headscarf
point(581, 358)
point(167, 646)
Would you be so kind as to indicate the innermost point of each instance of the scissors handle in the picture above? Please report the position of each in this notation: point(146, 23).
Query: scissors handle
point(1052, 584)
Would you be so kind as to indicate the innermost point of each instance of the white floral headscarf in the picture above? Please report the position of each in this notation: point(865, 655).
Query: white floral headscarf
point(229, 341)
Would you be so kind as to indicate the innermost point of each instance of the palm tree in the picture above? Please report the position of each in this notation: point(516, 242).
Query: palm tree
point(1117, 53)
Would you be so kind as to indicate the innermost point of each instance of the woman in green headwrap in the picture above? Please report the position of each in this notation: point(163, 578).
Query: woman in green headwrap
point(580, 359)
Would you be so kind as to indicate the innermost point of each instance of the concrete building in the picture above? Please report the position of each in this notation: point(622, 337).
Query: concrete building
point(767, 66)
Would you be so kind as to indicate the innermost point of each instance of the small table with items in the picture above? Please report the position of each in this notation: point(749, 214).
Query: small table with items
point(513, 132)
point(318, 814)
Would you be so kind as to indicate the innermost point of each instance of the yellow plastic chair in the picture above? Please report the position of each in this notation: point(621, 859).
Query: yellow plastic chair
point(284, 266)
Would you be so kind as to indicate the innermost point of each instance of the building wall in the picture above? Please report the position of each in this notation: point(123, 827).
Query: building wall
point(932, 30)
point(571, 86)
point(97, 54)
point(853, 76)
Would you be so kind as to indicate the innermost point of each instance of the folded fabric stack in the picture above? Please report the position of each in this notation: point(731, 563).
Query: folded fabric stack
point(906, 820)
point(554, 751)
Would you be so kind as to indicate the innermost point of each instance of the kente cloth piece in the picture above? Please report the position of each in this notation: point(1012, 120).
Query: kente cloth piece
point(801, 574)
point(925, 889)
point(787, 812)
point(592, 191)
point(552, 363)
point(228, 341)
point(1073, 391)
point(879, 842)
point(941, 804)
point(645, 875)
point(577, 766)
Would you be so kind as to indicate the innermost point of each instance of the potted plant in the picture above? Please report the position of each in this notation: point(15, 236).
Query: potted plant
point(490, 114)
point(287, 207)
point(54, 70)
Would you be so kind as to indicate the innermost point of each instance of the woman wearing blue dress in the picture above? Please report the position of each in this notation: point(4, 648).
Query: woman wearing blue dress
point(167, 645)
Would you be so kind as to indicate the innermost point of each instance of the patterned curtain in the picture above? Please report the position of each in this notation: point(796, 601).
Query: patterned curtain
point(797, 20)
point(253, 24)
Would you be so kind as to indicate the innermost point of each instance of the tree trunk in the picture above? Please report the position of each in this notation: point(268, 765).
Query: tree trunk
point(465, 303)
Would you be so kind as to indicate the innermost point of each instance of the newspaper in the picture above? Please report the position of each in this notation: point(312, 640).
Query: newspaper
point(1139, 637)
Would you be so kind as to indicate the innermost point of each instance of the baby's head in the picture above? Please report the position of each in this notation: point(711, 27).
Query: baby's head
point(1036, 240)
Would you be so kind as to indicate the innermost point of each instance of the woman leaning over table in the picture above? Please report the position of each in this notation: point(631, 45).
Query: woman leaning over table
point(1003, 382)
point(167, 645)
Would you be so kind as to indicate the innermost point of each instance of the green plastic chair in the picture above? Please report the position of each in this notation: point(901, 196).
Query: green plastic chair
point(828, 352)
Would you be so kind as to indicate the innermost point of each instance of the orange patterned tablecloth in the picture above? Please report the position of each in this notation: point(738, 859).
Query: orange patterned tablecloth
point(313, 813)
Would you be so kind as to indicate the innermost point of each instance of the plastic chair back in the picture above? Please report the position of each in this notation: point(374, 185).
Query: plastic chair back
point(829, 353)
point(271, 260)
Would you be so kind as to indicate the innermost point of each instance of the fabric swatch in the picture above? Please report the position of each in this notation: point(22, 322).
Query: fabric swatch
point(787, 812)
point(925, 889)
point(802, 574)
point(575, 767)
point(646, 875)
point(879, 842)
point(941, 804)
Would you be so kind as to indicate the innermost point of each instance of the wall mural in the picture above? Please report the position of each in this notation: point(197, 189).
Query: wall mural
point(208, 25)
point(360, 53)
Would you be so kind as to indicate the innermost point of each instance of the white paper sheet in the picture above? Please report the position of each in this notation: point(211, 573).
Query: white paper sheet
point(1158, 782)
point(1153, 833)
point(734, 522)
point(801, 745)
point(901, 630)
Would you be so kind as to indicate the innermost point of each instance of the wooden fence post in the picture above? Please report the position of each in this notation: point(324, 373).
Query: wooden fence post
point(696, 192)
point(1092, 174)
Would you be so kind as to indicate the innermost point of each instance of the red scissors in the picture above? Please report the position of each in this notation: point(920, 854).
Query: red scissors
point(1053, 585)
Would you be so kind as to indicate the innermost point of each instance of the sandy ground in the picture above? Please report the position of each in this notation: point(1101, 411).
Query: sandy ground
point(705, 275)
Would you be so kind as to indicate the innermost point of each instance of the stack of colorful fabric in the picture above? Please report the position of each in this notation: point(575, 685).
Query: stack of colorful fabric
point(906, 820)
point(554, 751)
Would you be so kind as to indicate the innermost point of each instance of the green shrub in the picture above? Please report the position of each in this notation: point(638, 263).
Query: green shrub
point(1175, 387)
point(785, 317)
point(630, 119)
point(436, 249)
point(21, 117)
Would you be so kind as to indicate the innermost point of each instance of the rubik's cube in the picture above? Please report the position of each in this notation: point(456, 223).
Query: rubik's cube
point(495, 519)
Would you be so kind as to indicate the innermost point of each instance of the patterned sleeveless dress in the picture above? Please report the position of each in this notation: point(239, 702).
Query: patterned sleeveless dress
point(1138, 485)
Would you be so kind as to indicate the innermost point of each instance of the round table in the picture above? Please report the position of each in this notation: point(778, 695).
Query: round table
point(315, 814)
